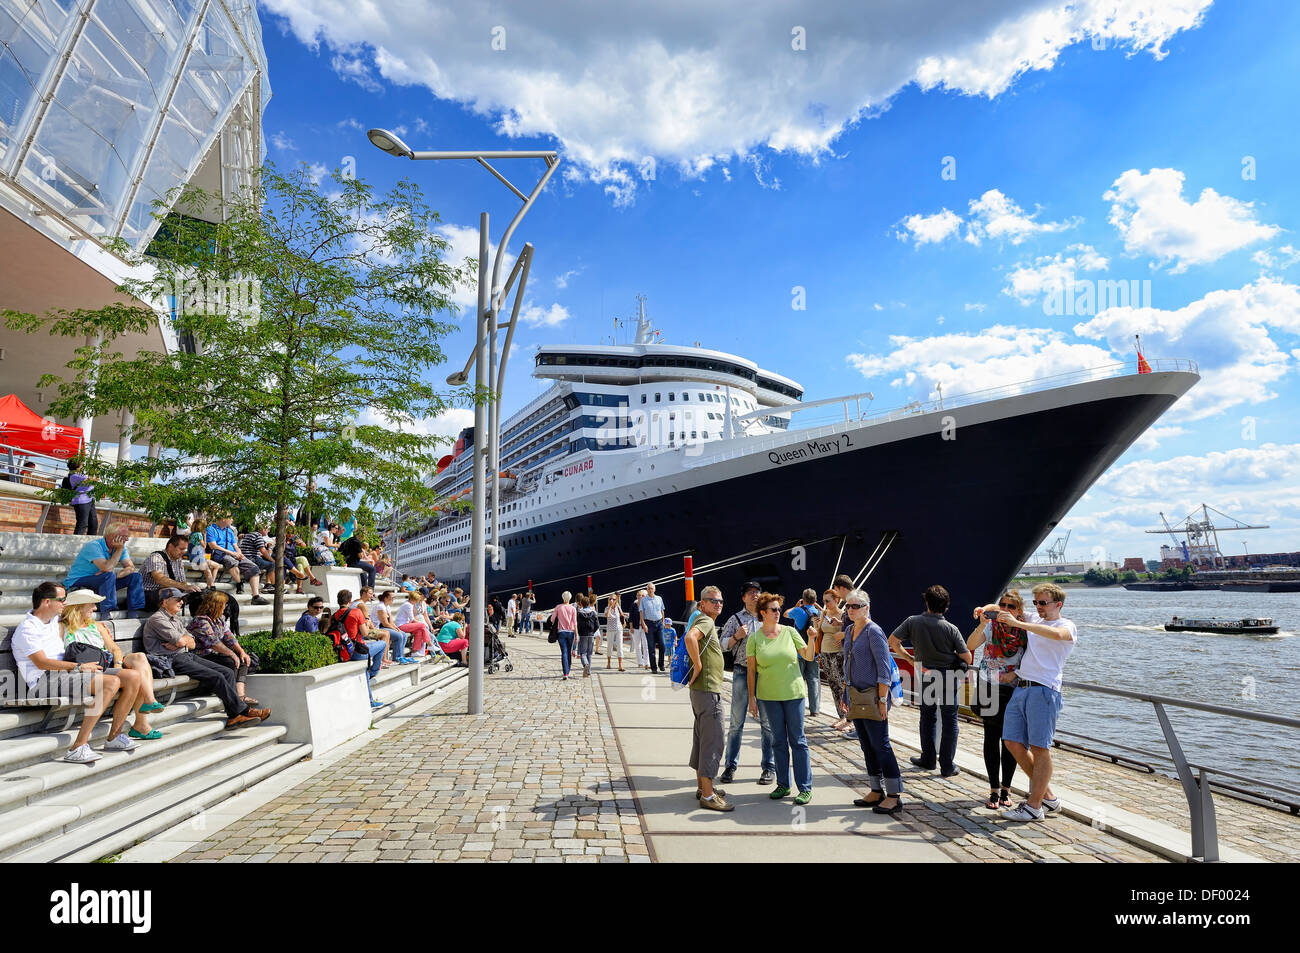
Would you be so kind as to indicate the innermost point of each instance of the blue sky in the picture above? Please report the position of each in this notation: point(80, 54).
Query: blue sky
point(926, 177)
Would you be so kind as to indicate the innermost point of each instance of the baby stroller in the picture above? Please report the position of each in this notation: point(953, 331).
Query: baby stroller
point(495, 654)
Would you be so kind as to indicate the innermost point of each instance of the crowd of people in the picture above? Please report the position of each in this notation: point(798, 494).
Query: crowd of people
point(779, 658)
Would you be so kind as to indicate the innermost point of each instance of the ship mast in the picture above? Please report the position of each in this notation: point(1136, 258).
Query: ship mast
point(643, 332)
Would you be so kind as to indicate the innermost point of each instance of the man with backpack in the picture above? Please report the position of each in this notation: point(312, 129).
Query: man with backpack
point(347, 629)
point(803, 617)
point(734, 633)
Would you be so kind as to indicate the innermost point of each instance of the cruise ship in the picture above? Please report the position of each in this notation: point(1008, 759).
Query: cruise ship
point(639, 455)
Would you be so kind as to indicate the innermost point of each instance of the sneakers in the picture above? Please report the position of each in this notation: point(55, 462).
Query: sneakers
point(727, 776)
point(716, 790)
point(1051, 805)
point(586, 671)
point(259, 601)
point(716, 803)
point(83, 754)
point(779, 793)
point(1023, 813)
point(803, 797)
point(122, 742)
point(767, 777)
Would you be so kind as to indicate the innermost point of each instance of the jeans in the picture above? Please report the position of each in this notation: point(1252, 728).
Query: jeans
point(367, 572)
point(812, 677)
point(786, 719)
point(212, 678)
point(882, 765)
point(375, 651)
point(526, 621)
point(585, 644)
point(566, 650)
point(739, 709)
point(937, 698)
point(87, 519)
point(398, 641)
point(654, 640)
point(107, 584)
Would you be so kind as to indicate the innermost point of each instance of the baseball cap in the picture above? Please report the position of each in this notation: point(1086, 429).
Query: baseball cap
point(750, 585)
point(170, 593)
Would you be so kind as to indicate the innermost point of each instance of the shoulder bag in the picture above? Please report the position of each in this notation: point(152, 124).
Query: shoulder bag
point(862, 704)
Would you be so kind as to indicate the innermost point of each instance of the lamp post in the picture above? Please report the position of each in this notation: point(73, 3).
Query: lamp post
point(488, 373)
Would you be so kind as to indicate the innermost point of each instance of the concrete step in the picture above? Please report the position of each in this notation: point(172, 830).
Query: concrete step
point(55, 815)
point(439, 679)
point(52, 547)
point(34, 782)
point(22, 749)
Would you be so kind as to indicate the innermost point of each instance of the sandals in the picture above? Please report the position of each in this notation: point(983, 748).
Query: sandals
point(992, 802)
point(1004, 799)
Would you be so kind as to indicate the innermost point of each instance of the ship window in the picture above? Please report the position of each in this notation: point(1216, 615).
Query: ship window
point(693, 435)
point(672, 396)
point(706, 435)
point(643, 398)
point(656, 398)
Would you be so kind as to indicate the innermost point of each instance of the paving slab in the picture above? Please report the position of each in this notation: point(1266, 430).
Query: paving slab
point(870, 847)
point(650, 715)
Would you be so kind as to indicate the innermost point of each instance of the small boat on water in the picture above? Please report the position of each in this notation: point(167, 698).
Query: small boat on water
point(1223, 626)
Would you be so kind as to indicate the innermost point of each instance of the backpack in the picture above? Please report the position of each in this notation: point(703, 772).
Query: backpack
point(679, 673)
point(338, 633)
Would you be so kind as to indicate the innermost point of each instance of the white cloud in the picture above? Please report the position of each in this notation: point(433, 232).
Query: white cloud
point(351, 123)
point(1226, 332)
point(317, 171)
point(963, 363)
point(1268, 467)
point(282, 142)
point(551, 317)
point(562, 281)
point(878, 306)
point(1154, 219)
point(1154, 436)
point(928, 229)
point(420, 125)
point(448, 424)
point(614, 84)
point(1285, 257)
point(974, 306)
point(995, 216)
point(1053, 273)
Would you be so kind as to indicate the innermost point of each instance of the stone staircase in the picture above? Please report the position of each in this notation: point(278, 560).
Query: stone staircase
point(51, 810)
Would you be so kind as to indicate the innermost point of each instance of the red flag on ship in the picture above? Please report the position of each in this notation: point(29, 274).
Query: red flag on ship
point(1143, 366)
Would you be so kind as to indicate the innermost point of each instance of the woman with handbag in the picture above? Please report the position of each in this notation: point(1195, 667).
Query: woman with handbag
point(214, 642)
point(776, 682)
point(869, 678)
point(83, 636)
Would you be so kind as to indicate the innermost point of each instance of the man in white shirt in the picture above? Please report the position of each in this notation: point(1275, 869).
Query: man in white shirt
point(1029, 724)
point(38, 651)
point(652, 623)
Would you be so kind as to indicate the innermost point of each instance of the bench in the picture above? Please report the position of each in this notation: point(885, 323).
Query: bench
point(68, 708)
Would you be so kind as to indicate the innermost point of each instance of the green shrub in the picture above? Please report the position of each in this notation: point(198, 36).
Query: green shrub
point(291, 652)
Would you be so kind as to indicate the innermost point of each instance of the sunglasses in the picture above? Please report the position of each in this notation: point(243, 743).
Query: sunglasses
point(855, 605)
point(718, 601)
point(1011, 605)
point(770, 609)
point(1043, 602)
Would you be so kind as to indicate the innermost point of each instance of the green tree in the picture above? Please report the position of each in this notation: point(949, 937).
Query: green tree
point(313, 318)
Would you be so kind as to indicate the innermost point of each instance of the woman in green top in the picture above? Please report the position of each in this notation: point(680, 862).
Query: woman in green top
point(776, 682)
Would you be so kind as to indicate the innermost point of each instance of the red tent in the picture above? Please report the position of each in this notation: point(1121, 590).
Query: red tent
point(22, 429)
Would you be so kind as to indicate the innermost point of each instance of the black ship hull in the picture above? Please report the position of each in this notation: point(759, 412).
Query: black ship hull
point(965, 513)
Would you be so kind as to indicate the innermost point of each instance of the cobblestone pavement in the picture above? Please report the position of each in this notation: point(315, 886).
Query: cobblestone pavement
point(541, 778)
point(535, 779)
point(1267, 834)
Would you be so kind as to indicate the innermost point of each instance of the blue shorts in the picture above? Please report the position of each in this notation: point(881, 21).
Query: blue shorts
point(1031, 716)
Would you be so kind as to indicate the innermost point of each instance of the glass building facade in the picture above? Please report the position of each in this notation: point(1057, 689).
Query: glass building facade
point(106, 106)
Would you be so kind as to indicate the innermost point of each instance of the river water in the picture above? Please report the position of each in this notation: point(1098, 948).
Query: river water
point(1123, 644)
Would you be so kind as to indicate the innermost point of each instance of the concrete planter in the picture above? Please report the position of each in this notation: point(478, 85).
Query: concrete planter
point(333, 579)
point(324, 707)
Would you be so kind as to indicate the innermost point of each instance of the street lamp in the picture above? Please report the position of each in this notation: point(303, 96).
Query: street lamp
point(488, 373)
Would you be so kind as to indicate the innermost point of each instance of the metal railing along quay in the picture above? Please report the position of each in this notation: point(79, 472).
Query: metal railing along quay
point(1196, 787)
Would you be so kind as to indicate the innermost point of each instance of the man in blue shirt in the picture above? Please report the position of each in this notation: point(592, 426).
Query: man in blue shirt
point(652, 620)
point(309, 621)
point(104, 566)
point(804, 617)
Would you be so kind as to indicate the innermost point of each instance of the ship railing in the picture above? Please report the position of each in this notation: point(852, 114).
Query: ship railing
point(848, 411)
point(1196, 786)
